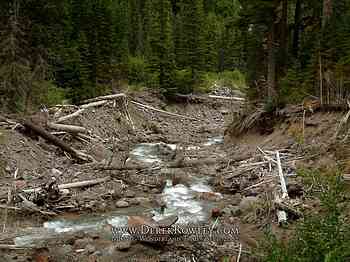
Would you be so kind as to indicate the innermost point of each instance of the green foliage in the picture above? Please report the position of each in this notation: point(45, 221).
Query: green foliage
point(46, 93)
point(294, 87)
point(324, 236)
point(137, 70)
point(183, 81)
point(234, 80)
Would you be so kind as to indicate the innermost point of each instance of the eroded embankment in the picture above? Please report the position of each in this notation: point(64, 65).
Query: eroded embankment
point(160, 168)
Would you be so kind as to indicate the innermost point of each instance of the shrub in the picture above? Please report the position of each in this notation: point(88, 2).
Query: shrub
point(137, 70)
point(183, 81)
point(294, 87)
point(232, 79)
point(319, 237)
point(45, 92)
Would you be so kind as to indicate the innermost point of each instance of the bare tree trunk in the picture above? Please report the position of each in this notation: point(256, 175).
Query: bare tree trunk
point(327, 11)
point(271, 67)
point(296, 32)
point(284, 37)
point(271, 59)
point(57, 142)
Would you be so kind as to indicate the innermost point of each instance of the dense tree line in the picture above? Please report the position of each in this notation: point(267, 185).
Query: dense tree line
point(86, 48)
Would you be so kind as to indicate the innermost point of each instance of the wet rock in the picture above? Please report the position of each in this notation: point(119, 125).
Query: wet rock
point(155, 191)
point(122, 204)
point(247, 203)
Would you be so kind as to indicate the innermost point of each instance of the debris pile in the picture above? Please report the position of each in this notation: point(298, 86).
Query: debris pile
point(268, 173)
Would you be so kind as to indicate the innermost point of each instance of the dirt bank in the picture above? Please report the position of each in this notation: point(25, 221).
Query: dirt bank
point(134, 188)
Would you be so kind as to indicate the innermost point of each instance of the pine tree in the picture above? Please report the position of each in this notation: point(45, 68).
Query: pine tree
point(15, 71)
point(191, 37)
point(166, 51)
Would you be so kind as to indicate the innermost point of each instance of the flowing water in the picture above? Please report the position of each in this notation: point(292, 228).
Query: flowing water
point(181, 200)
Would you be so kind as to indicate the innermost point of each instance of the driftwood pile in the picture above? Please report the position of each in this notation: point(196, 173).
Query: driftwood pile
point(48, 199)
point(266, 172)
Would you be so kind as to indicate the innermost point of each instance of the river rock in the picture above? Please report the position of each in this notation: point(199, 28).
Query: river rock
point(143, 200)
point(129, 193)
point(82, 243)
point(123, 245)
point(247, 203)
point(121, 204)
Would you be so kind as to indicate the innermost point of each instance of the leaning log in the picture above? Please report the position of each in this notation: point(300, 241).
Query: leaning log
point(67, 128)
point(57, 142)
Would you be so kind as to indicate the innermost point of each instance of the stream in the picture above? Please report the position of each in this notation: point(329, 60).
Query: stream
point(180, 199)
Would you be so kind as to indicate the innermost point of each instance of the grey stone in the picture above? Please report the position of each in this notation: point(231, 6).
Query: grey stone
point(123, 245)
point(122, 203)
point(129, 193)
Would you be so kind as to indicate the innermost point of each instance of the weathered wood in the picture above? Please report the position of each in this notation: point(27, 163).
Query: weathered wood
point(280, 173)
point(162, 111)
point(94, 104)
point(101, 98)
point(56, 141)
point(73, 185)
point(228, 98)
point(67, 128)
point(67, 117)
point(288, 208)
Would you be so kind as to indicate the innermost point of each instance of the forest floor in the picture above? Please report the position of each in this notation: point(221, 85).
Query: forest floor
point(80, 230)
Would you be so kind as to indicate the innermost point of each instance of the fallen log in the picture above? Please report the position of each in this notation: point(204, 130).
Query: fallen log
point(283, 181)
point(289, 209)
point(101, 98)
point(67, 128)
point(56, 141)
point(228, 98)
point(67, 117)
point(73, 185)
point(162, 111)
point(98, 103)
